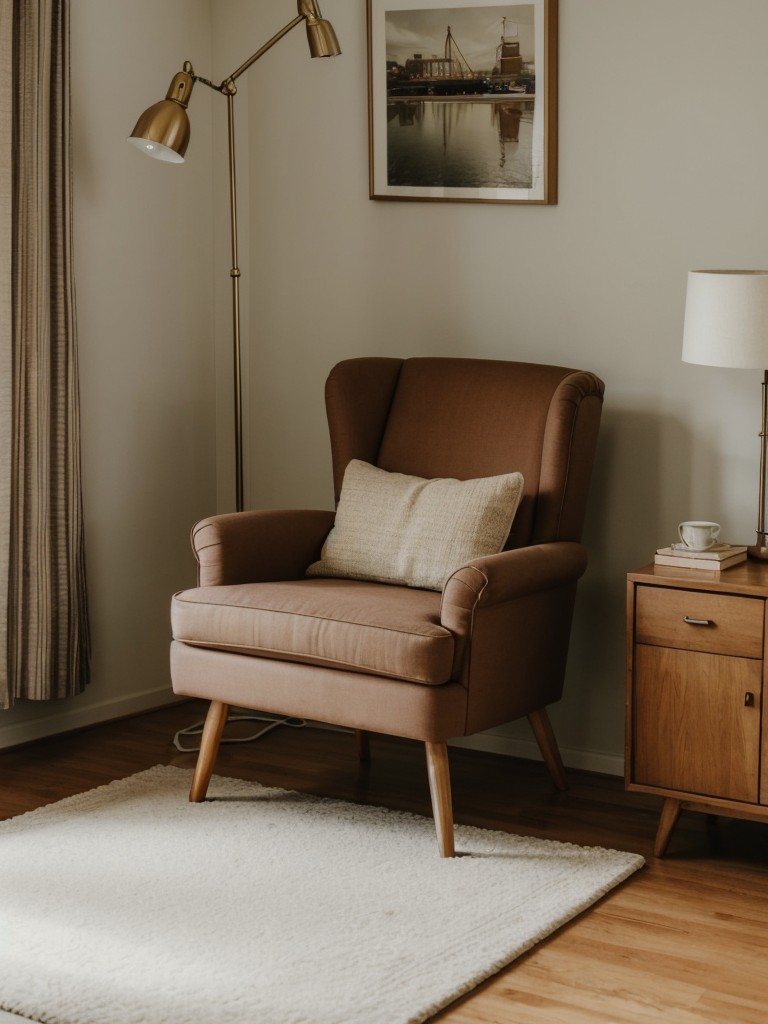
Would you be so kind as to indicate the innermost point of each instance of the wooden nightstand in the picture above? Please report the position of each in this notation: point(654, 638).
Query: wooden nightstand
point(696, 662)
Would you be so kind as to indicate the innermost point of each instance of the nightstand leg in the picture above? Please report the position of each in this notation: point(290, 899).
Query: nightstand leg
point(670, 812)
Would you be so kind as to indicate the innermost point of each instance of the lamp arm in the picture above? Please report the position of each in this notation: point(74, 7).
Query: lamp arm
point(260, 52)
point(227, 86)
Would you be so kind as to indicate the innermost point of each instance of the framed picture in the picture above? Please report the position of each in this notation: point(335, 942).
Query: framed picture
point(462, 100)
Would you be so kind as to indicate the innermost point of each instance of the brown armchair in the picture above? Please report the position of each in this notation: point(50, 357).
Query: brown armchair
point(258, 633)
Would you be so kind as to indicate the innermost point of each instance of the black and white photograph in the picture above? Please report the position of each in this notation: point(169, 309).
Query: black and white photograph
point(462, 100)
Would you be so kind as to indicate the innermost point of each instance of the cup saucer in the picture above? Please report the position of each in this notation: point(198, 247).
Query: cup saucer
point(698, 551)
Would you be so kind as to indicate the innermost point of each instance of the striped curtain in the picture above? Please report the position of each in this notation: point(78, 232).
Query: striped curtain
point(43, 611)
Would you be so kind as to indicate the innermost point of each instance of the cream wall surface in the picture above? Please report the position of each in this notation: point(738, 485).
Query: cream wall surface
point(662, 169)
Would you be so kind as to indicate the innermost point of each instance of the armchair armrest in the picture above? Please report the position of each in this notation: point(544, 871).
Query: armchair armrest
point(507, 576)
point(511, 617)
point(258, 546)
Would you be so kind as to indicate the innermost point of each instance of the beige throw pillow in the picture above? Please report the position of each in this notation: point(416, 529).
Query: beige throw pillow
point(403, 529)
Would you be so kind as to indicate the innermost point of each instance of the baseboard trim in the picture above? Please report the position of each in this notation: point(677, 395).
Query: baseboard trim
point(72, 718)
point(585, 760)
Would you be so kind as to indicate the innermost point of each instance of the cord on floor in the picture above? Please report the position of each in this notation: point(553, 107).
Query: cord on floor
point(272, 722)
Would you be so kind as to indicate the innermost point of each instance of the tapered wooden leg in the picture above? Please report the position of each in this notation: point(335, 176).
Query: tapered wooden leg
point(545, 737)
point(670, 812)
point(362, 745)
point(440, 789)
point(215, 721)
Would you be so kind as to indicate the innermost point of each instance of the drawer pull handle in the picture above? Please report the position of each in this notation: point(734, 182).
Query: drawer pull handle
point(697, 622)
point(749, 700)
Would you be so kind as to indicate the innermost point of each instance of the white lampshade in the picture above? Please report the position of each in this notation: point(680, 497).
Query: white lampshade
point(726, 318)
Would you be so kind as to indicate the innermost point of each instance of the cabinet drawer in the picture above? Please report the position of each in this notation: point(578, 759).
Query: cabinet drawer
point(696, 620)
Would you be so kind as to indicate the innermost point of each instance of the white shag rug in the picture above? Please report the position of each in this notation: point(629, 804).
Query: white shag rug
point(128, 905)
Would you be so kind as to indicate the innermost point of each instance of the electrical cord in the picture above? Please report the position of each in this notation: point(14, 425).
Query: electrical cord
point(271, 720)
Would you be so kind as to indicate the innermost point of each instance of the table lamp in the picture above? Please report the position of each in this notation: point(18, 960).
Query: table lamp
point(726, 324)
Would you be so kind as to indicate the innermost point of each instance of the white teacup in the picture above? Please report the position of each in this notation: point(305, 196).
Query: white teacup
point(698, 536)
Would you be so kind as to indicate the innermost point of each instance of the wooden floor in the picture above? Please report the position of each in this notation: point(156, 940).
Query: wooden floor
point(684, 940)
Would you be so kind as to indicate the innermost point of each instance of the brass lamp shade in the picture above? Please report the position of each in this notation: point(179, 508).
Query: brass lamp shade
point(320, 35)
point(162, 131)
point(322, 39)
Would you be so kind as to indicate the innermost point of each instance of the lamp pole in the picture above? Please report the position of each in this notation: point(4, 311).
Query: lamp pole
point(760, 548)
point(234, 274)
point(162, 132)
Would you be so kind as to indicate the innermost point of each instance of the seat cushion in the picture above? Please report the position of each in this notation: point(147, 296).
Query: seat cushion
point(348, 624)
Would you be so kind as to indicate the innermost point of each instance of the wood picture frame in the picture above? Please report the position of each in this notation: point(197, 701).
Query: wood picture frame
point(462, 100)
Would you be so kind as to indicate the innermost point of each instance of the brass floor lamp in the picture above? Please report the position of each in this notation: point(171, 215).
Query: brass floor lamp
point(162, 132)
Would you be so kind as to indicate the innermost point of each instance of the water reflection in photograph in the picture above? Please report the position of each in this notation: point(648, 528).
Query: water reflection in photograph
point(470, 143)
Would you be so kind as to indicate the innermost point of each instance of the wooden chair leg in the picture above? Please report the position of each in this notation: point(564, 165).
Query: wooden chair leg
point(362, 745)
point(440, 790)
point(215, 721)
point(545, 737)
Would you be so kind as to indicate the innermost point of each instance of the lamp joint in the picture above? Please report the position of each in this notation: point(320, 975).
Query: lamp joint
point(308, 10)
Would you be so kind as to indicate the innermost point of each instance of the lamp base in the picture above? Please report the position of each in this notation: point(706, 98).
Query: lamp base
point(759, 551)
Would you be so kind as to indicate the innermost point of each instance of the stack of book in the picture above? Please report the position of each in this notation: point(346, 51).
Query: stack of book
point(720, 556)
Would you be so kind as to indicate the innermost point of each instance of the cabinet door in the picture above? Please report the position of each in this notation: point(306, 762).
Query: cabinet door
point(697, 722)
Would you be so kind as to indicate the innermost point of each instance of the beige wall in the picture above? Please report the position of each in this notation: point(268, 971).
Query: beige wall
point(663, 162)
point(662, 168)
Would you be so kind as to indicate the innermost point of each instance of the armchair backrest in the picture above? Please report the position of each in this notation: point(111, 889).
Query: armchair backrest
point(466, 418)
